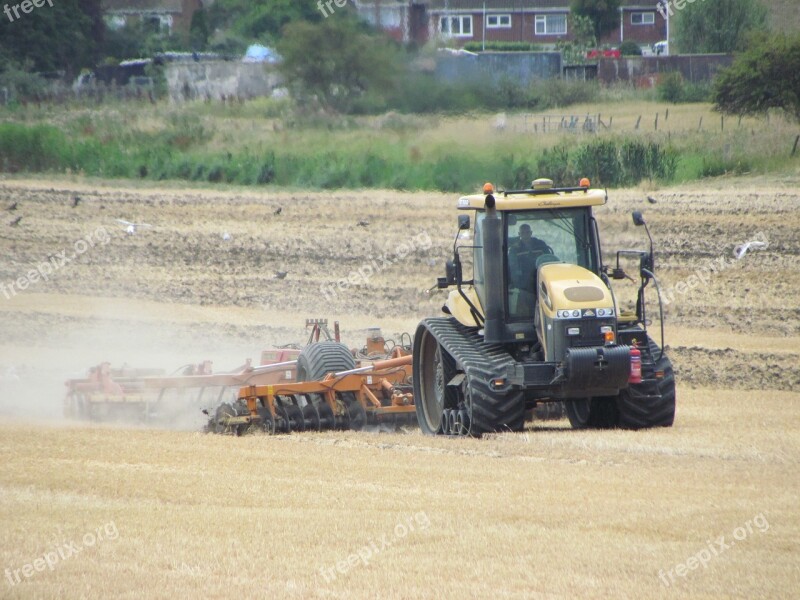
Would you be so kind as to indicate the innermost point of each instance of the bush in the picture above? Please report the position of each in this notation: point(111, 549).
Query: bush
point(670, 87)
point(673, 88)
point(21, 84)
point(630, 48)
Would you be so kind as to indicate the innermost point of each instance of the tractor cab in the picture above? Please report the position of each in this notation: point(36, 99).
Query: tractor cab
point(544, 259)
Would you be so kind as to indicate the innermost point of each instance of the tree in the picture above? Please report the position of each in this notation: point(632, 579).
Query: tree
point(260, 19)
point(336, 62)
point(65, 36)
point(198, 30)
point(719, 26)
point(604, 14)
point(765, 77)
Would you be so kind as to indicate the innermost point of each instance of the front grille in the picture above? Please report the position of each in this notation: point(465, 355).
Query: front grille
point(590, 333)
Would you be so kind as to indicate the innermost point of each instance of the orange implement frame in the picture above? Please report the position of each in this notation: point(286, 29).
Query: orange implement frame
point(373, 387)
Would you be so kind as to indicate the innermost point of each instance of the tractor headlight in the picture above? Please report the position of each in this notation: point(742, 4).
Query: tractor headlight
point(568, 314)
point(605, 312)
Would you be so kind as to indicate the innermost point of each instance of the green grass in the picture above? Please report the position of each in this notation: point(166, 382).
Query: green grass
point(264, 142)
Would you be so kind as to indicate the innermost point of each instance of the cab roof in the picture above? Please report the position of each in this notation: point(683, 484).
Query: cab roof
point(536, 199)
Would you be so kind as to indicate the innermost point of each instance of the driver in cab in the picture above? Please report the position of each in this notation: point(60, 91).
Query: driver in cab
point(522, 255)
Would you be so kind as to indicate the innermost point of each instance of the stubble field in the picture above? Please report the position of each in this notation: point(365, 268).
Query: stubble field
point(549, 513)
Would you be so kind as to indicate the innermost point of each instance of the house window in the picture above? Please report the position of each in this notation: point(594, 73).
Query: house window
point(498, 21)
point(458, 26)
point(551, 24)
point(643, 18)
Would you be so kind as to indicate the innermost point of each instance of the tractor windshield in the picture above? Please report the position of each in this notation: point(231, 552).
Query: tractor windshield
point(537, 237)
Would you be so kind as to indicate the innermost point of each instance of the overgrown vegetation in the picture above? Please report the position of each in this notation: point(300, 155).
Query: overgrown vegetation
point(765, 77)
point(719, 26)
point(610, 162)
point(672, 87)
point(265, 143)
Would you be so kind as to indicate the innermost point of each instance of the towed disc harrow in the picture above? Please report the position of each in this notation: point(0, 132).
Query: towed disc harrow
point(331, 393)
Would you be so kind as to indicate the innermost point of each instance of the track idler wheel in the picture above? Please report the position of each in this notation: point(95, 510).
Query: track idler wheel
point(462, 422)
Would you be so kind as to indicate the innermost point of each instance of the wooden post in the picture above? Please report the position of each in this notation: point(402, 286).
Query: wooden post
point(639, 120)
point(722, 123)
point(700, 126)
point(656, 121)
point(666, 116)
point(796, 142)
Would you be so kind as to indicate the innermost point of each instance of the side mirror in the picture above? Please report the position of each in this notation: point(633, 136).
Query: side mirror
point(463, 222)
point(453, 272)
point(638, 219)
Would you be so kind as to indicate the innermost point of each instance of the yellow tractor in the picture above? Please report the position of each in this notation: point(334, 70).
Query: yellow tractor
point(539, 322)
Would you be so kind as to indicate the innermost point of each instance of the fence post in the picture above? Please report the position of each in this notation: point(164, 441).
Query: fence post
point(639, 120)
point(656, 121)
point(700, 126)
point(796, 142)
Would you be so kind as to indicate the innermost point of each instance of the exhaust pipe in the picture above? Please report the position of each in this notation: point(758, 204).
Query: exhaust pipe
point(494, 329)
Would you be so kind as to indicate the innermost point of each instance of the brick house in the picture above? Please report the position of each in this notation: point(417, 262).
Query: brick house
point(168, 15)
point(532, 21)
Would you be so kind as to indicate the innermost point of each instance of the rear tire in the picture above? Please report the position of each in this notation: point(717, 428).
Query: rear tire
point(650, 405)
point(592, 413)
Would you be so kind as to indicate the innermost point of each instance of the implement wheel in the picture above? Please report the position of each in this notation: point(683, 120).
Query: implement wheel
point(317, 360)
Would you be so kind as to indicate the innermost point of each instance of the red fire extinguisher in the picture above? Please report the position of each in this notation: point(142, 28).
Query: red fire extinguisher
point(636, 365)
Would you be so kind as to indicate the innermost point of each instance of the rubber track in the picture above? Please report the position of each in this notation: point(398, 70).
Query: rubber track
point(480, 362)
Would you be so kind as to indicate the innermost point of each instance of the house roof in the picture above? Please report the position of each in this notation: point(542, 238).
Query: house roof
point(139, 6)
point(518, 5)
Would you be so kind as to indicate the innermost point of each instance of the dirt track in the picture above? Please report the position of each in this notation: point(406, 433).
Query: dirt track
point(549, 513)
